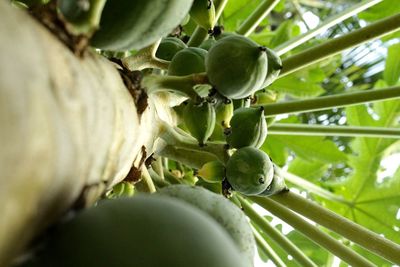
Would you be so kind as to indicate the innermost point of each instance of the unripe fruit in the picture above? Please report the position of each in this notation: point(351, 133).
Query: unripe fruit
point(206, 45)
point(168, 47)
point(229, 216)
point(203, 13)
point(249, 171)
point(277, 185)
point(148, 231)
point(248, 128)
point(236, 66)
point(212, 172)
point(188, 61)
point(127, 25)
point(199, 119)
point(264, 97)
point(274, 67)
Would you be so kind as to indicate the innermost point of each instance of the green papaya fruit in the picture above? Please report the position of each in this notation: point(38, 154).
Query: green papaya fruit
point(212, 172)
point(274, 67)
point(277, 185)
point(206, 45)
point(229, 216)
point(264, 97)
point(224, 112)
point(203, 13)
point(168, 47)
point(188, 61)
point(236, 66)
point(199, 119)
point(140, 231)
point(248, 128)
point(127, 25)
point(123, 189)
point(249, 171)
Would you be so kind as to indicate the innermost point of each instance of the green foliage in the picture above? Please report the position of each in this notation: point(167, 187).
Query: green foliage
point(391, 74)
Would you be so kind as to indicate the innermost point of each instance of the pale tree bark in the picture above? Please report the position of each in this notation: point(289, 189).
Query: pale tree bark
point(68, 127)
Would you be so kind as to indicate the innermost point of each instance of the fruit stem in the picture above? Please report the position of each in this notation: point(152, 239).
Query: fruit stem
point(327, 102)
point(191, 158)
point(198, 36)
point(277, 236)
point(342, 226)
point(337, 45)
point(334, 20)
point(312, 232)
point(331, 130)
point(255, 18)
point(267, 249)
point(146, 58)
point(178, 84)
point(157, 180)
point(157, 166)
point(148, 182)
point(175, 137)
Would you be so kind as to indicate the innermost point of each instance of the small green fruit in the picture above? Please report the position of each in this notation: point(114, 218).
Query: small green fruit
point(236, 66)
point(127, 25)
point(277, 185)
point(249, 171)
point(212, 172)
point(248, 128)
point(199, 119)
point(203, 13)
point(274, 67)
point(168, 47)
point(188, 61)
point(206, 45)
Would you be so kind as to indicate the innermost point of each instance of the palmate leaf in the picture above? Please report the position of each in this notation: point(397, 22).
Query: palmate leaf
point(312, 148)
point(310, 170)
point(375, 203)
point(236, 12)
point(391, 74)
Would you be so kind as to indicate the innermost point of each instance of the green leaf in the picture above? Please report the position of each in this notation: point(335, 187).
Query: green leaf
point(384, 9)
point(276, 150)
point(312, 171)
point(375, 202)
point(285, 31)
point(236, 12)
point(391, 74)
point(296, 86)
point(312, 148)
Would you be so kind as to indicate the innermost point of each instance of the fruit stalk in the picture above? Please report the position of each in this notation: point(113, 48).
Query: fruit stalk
point(327, 102)
point(334, 20)
point(267, 249)
point(145, 58)
point(344, 227)
point(332, 47)
point(312, 232)
point(178, 84)
point(278, 237)
point(331, 130)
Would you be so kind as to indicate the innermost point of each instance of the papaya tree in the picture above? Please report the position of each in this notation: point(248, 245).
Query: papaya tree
point(188, 133)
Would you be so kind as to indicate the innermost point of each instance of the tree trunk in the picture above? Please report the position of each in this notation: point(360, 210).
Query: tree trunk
point(69, 128)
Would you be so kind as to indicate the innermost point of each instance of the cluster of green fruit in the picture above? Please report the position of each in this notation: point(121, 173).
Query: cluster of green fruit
point(157, 230)
point(179, 226)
